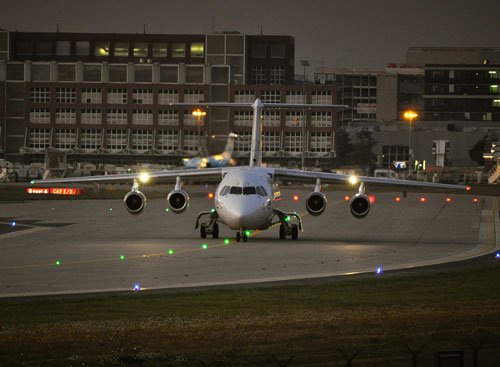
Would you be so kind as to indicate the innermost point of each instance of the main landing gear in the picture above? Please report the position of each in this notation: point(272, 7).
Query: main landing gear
point(210, 227)
point(241, 236)
point(287, 228)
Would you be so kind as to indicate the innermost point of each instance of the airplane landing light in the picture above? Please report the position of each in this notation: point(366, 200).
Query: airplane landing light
point(144, 177)
point(468, 188)
point(210, 195)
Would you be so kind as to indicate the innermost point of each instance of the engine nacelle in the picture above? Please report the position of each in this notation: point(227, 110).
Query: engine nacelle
point(360, 205)
point(316, 203)
point(178, 200)
point(135, 201)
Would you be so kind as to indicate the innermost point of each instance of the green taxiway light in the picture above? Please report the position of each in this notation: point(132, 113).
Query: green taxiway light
point(110, 209)
point(204, 246)
point(166, 209)
point(226, 241)
point(122, 257)
point(58, 262)
point(287, 219)
point(247, 233)
point(32, 182)
point(170, 252)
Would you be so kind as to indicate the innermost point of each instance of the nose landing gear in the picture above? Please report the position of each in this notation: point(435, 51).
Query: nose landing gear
point(287, 228)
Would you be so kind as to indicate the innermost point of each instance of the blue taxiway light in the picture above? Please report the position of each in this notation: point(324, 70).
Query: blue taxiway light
point(13, 223)
point(497, 256)
point(137, 287)
point(379, 270)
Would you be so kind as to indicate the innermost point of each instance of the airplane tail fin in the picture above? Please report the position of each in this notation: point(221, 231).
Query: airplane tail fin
point(228, 150)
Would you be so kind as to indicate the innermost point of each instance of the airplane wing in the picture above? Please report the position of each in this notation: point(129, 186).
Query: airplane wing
point(284, 174)
point(205, 175)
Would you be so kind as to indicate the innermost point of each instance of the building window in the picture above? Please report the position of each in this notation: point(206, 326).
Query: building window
point(118, 73)
point(190, 141)
point(193, 96)
point(321, 119)
point(65, 116)
point(91, 72)
point(117, 116)
point(40, 72)
point(143, 73)
point(494, 74)
point(243, 142)
point(121, 49)
point(243, 118)
point(40, 95)
point(194, 74)
point(168, 117)
point(117, 96)
point(294, 119)
point(91, 116)
point(294, 96)
point(197, 49)
point(116, 140)
point(168, 140)
point(159, 50)
point(39, 138)
point(394, 153)
point(166, 96)
point(169, 74)
point(259, 50)
point(142, 96)
point(244, 96)
point(44, 48)
point(278, 51)
point(25, 48)
point(65, 139)
point(270, 141)
point(321, 142)
point(277, 74)
point(258, 74)
point(90, 139)
point(487, 116)
point(142, 140)
point(65, 95)
point(271, 118)
point(321, 97)
point(494, 88)
point(39, 115)
point(63, 48)
point(140, 49)
point(496, 103)
point(66, 72)
point(91, 95)
point(178, 50)
point(271, 96)
point(82, 48)
point(142, 117)
point(101, 49)
point(293, 141)
point(190, 120)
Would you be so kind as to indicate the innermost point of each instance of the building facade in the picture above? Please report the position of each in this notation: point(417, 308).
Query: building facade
point(106, 97)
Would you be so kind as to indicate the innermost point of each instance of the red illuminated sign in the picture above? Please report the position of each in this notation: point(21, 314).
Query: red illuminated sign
point(54, 190)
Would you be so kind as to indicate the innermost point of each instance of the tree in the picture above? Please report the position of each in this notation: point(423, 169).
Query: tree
point(476, 152)
point(362, 151)
point(344, 148)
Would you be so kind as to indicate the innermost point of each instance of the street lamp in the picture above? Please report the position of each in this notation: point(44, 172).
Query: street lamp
point(198, 114)
point(304, 63)
point(410, 115)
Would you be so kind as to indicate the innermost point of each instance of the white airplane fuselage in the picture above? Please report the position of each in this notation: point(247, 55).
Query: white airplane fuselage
point(244, 199)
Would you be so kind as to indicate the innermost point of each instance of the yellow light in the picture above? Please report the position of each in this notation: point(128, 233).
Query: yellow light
point(410, 115)
point(353, 180)
point(199, 113)
point(144, 177)
point(218, 157)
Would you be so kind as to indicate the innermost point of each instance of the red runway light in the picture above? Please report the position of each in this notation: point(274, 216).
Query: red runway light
point(372, 199)
point(210, 195)
point(295, 197)
point(468, 188)
point(423, 199)
point(347, 198)
point(475, 200)
point(397, 199)
point(448, 200)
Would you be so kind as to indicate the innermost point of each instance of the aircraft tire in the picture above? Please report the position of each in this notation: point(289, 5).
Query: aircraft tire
point(295, 233)
point(238, 236)
point(215, 231)
point(203, 232)
point(282, 232)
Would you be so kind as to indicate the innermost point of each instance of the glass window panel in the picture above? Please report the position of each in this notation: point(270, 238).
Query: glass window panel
point(15, 71)
point(169, 74)
point(215, 44)
point(234, 44)
point(101, 49)
point(194, 74)
point(44, 48)
point(40, 72)
point(118, 73)
point(259, 50)
point(140, 49)
point(159, 50)
point(278, 51)
point(220, 74)
point(179, 50)
point(82, 48)
point(25, 48)
point(121, 49)
point(143, 73)
point(63, 48)
point(92, 73)
point(66, 73)
point(197, 49)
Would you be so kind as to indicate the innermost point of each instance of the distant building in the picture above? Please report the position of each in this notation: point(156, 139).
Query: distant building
point(105, 97)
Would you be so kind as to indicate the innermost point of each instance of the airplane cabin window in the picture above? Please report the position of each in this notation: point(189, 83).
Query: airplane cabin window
point(236, 190)
point(249, 190)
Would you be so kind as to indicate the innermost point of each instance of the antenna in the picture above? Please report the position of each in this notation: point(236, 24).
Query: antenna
point(57, 28)
point(261, 30)
point(144, 29)
point(213, 23)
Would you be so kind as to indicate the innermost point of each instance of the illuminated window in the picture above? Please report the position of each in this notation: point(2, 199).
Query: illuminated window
point(91, 95)
point(243, 118)
point(294, 119)
point(91, 116)
point(159, 50)
point(168, 117)
point(494, 88)
point(117, 116)
point(293, 141)
point(496, 103)
point(493, 74)
point(65, 116)
point(178, 50)
point(90, 139)
point(140, 49)
point(101, 49)
point(117, 96)
point(39, 115)
point(65, 95)
point(40, 95)
point(142, 117)
point(197, 49)
point(121, 49)
point(271, 96)
point(166, 96)
point(168, 140)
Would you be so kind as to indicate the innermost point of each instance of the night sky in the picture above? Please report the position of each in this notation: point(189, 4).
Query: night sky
point(347, 33)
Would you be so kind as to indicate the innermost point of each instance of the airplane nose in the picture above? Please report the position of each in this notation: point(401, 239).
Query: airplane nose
point(240, 215)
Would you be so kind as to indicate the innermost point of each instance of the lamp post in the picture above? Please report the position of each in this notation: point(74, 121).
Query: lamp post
point(410, 115)
point(198, 114)
point(304, 63)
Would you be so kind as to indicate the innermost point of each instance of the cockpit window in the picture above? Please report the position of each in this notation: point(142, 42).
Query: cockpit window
point(236, 190)
point(261, 191)
point(224, 191)
point(249, 190)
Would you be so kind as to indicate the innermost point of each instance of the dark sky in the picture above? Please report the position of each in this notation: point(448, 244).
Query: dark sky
point(342, 33)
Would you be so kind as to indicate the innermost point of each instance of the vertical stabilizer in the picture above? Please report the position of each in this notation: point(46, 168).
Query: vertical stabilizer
point(256, 146)
point(228, 151)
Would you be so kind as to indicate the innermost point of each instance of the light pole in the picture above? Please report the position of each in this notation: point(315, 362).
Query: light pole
point(304, 63)
point(198, 114)
point(410, 115)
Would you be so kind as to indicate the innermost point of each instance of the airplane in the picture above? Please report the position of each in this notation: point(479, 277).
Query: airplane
point(218, 160)
point(247, 197)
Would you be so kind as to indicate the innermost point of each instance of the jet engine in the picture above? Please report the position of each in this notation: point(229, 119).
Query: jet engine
point(360, 205)
point(135, 201)
point(178, 201)
point(316, 203)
